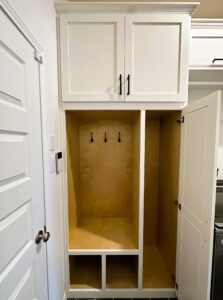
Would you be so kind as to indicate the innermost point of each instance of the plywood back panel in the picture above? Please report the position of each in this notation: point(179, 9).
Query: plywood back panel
point(168, 188)
point(151, 181)
point(135, 174)
point(106, 168)
point(103, 177)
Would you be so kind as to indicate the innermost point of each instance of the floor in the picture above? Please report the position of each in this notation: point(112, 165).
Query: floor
point(122, 299)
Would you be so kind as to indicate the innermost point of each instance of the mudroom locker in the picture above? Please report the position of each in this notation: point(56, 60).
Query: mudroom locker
point(141, 160)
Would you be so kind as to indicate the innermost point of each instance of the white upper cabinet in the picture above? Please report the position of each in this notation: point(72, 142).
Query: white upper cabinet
point(156, 57)
point(206, 49)
point(120, 52)
point(92, 57)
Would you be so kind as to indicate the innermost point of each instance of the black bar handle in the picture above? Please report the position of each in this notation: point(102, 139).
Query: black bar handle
point(128, 79)
point(120, 84)
point(216, 59)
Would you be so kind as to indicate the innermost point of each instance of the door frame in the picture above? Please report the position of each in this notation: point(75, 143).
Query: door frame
point(39, 53)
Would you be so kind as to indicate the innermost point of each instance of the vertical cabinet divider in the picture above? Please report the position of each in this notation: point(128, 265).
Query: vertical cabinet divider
point(141, 194)
point(103, 272)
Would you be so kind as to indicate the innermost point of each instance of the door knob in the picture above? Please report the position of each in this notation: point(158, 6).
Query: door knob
point(42, 235)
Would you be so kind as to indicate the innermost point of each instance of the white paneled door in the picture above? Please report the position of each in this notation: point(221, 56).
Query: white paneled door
point(198, 174)
point(156, 57)
point(23, 273)
point(92, 51)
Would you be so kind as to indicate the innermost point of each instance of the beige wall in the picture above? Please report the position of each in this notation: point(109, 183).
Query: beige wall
point(207, 8)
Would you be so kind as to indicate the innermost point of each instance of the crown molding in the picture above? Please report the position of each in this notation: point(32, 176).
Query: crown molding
point(126, 7)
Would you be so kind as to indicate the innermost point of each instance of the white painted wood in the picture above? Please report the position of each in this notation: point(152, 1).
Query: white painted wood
point(24, 288)
point(141, 196)
point(65, 203)
point(209, 78)
point(206, 44)
point(198, 166)
point(126, 7)
point(124, 293)
point(123, 106)
point(23, 263)
point(220, 148)
point(92, 52)
point(103, 272)
point(10, 11)
point(156, 57)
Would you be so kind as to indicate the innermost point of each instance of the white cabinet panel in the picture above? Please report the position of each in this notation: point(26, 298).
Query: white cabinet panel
point(92, 52)
point(156, 57)
point(199, 145)
point(206, 46)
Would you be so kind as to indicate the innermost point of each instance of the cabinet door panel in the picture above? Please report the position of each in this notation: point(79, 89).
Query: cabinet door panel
point(92, 57)
point(198, 170)
point(156, 56)
point(206, 46)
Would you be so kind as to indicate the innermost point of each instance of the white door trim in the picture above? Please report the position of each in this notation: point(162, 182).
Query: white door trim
point(11, 13)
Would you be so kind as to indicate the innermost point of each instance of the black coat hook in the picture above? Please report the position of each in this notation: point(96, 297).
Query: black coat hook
point(92, 139)
point(119, 137)
point(105, 138)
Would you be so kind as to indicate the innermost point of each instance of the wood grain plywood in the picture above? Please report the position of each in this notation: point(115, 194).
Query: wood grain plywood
point(135, 175)
point(103, 179)
point(151, 181)
point(155, 272)
point(106, 168)
point(168, 188)
point(103, 233)
point(73, 169)
point(122, 271)
point(85, 272)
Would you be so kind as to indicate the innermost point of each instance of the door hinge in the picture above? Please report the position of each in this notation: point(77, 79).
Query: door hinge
point(180, 120)
point(178, 204)
point(176, 285)
point(38, 57)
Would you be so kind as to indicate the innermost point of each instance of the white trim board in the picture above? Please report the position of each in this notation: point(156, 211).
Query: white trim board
point(206, 23)
point(126, 7)
point(122, 293)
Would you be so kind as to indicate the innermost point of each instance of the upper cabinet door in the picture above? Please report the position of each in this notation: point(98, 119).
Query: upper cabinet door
point(92, 55)
point(156, 57)
point(198, 171)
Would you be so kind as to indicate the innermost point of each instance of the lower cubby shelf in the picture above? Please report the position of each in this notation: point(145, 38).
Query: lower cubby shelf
point(121, 271)
point(85, 272)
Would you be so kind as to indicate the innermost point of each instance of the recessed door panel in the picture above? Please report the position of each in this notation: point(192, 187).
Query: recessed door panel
point(155, 53)
point(92, 54)
point(198, 171)
point(156, 57)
